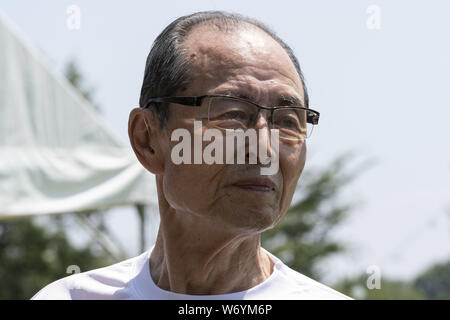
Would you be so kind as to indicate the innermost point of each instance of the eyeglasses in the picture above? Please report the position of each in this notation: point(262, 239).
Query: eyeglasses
point(227, 112)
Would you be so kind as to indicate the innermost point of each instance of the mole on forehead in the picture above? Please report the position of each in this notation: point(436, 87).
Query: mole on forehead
point(224, 49)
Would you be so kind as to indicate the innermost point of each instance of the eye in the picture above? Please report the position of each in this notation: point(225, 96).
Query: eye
point(286, 119)
point(288, 122)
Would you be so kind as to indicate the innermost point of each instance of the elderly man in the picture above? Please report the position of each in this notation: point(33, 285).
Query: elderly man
point(207, 75)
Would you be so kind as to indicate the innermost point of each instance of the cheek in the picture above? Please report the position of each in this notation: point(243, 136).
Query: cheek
point(190, 188)
point(292, 162)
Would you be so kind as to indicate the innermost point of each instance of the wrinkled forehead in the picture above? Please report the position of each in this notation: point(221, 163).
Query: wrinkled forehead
point(244, 50)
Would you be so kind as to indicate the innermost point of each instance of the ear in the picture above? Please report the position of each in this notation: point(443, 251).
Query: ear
point(144, 133)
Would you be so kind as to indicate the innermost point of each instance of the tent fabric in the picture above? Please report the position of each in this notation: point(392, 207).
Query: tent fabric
point(56, 154)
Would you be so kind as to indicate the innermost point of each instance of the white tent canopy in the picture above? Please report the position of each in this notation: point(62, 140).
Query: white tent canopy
point(56, 155)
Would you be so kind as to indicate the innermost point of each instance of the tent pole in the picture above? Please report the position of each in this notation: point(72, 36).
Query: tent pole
point(141, 213)
point(100, 237)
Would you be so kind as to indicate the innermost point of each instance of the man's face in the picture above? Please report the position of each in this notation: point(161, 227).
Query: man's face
point(246, 62)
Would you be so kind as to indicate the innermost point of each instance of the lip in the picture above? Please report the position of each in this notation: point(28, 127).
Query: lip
point(256, 184)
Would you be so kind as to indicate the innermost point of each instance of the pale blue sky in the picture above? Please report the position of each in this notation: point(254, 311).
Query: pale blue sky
point(384, 93)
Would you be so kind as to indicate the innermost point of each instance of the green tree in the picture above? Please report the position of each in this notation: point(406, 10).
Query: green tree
point(435, 282)
point(74, 76)
point(302, 238)
point(389, 289)
point(32, 257)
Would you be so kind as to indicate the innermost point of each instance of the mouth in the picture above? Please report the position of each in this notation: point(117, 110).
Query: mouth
point(256, 184)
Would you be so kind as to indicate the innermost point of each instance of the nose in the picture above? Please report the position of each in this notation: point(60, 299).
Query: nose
point(262, 119)
point(262, 127)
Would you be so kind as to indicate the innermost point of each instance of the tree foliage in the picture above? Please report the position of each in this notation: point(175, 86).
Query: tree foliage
point(303, 237)
point(32, 256)
point(389, 289)
point(432, 284)
point(435, 282)
point(75, 77)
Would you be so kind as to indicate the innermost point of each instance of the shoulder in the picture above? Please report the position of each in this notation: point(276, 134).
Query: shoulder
point(297, 286)
point(111, 282)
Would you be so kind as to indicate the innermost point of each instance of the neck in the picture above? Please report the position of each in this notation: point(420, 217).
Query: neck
point(193, 255)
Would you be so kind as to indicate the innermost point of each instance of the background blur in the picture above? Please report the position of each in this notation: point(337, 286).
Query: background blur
point(371, 216)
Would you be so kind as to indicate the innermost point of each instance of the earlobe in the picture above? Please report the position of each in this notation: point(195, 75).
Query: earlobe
point(143, 135)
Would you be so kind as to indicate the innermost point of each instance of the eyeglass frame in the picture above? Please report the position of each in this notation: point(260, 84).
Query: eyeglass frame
point(196, 101)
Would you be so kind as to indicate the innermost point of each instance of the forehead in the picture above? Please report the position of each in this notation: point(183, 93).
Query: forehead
point(244, 57)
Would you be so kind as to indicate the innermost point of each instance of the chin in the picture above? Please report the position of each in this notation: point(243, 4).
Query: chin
point(254, 219)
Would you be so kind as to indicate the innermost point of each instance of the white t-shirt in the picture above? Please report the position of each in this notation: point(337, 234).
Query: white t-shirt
point(130, 279)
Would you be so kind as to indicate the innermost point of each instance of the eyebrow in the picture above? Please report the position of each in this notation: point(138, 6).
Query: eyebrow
point(283, 100)
point(286, 100)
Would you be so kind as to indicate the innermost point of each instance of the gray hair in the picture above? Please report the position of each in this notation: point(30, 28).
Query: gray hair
point(167, 69)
